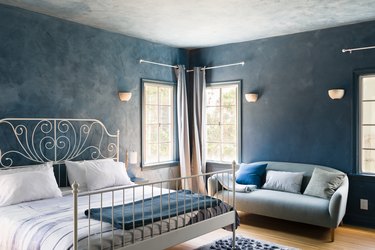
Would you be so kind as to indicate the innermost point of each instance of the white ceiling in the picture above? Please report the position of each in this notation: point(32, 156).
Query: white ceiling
point(204, 23)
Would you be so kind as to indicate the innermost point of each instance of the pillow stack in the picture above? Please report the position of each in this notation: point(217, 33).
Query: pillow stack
point(97, 174)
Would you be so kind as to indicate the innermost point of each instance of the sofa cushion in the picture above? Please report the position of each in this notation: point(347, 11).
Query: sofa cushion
point(251, 174)
point(323, 183)
point(283, 181)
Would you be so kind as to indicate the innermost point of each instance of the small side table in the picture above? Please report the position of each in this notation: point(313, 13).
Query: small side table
point(139, 180)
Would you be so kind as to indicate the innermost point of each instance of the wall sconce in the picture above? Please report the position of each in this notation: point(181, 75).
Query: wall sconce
point(124, 96)
point(251, 97)
point(336, 94)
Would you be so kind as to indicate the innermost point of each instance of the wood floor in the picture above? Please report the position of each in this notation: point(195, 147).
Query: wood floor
point(292, 234)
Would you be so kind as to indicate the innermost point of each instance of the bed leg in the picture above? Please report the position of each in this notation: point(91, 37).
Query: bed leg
point(332, 234)
point(342, 223)
point(234, 204)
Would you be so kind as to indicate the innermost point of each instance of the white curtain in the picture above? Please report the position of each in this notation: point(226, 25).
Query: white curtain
point(198, 162)
point(183, 126)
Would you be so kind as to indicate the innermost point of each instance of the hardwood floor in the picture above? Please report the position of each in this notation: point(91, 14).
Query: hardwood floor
point(292, 234)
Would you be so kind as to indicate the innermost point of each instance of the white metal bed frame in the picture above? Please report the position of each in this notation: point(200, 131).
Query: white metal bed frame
point(70, 136)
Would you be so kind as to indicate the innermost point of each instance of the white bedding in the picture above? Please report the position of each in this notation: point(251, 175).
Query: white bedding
point(48, 224)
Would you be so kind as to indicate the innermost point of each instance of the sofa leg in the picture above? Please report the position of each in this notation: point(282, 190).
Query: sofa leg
point(332, 234)
point(342, 223)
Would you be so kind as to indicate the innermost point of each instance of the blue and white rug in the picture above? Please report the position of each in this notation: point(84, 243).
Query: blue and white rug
point(243, 243)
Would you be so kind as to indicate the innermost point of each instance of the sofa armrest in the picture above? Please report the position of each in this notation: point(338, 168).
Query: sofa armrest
point(337, 204)
point(213, 185)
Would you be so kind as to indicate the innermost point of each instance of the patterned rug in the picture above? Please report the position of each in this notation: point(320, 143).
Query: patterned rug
point(243, 243)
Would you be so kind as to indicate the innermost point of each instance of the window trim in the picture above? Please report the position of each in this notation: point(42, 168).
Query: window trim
point(175, 160)
point(359, 75)
point(239, 117)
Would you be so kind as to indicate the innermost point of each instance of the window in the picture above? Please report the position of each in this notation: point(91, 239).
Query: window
point(158, 122)
point(367, 124)
point(222, 115)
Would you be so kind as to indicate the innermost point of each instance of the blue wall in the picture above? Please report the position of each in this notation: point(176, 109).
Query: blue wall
point(54, 68)
point(294, 119)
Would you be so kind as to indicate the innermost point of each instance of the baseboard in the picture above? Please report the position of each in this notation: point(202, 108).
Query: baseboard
point(359, 221)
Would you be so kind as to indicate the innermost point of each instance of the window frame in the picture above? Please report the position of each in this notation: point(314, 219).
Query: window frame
point(239, 116)
point(175, 159)
point(358, 103)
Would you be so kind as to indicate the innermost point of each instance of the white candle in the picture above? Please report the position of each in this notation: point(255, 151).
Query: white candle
point(133, 157)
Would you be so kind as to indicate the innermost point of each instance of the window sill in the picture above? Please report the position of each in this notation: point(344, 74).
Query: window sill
point(362, 177)
point(167, 164)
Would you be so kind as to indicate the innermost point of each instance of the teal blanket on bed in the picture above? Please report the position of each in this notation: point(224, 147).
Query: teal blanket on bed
point(154, 209)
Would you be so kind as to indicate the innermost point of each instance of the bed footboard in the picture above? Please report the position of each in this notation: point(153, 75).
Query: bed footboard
point(149, 216)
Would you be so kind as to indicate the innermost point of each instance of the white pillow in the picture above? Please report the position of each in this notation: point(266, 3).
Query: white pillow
point(284, 181)
point(40, 167)
point(106, 174)
point(28, 186)
point(77, 171)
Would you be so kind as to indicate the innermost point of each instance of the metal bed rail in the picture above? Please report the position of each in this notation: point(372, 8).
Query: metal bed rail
point(162, 231)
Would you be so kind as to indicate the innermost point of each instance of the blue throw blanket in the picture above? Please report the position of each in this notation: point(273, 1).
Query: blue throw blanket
point(159, 208)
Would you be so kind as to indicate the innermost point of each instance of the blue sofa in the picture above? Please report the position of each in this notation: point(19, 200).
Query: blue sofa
point(291, 206)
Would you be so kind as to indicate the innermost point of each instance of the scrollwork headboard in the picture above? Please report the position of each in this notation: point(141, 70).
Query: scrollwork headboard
point(37, 140)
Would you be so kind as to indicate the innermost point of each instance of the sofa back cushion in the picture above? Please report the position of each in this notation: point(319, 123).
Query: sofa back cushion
point(308, 169)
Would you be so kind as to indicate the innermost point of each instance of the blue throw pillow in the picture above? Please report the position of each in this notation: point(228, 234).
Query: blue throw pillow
point(251, 174)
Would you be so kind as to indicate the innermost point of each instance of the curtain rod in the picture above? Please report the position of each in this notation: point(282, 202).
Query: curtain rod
point(355, 49)
point(219, 66)
point(191, 70)
point(160, 64)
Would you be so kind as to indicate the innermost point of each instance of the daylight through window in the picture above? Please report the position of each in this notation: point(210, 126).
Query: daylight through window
point(367, 124)
point(222, 123)
point(158, 123)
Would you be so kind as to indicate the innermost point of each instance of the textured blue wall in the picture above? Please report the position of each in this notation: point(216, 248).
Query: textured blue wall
point(54, 68)
point(294, 119)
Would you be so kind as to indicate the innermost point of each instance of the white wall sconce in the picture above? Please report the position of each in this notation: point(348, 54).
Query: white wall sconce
point(124, 96)
point(251, 97)
point(336, 94)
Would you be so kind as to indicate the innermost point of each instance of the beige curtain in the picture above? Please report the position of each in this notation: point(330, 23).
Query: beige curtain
point(183, 127)
point(198, 161)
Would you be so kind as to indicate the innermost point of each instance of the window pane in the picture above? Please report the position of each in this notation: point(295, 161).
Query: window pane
point(213, 96)
point(151, 94)
point(368, 88)
point(213, 133)
point(151, 114)
point(152, 133)
point(229, 133)
point(165, 114)
point(229, 95)
point(164, 133)
point(229, 114)
point(368, 137)
point(213, 152)
point(165, 95)
point(368, 161)
point(213, 115)
point(368, 113)
point(151, 153)
point(229, 152)
point(165, 152)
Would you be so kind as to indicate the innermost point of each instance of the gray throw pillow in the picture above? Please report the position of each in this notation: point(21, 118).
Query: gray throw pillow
point(324, 183)
point(283, 181)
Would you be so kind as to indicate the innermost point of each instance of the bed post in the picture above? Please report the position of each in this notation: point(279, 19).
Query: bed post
point(234, 203)
point(75, 215)
point(118, 146)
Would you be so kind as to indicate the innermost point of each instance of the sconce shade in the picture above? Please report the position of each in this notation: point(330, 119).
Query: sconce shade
point(251, 97)
point(336, 94)
point(124, 96)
